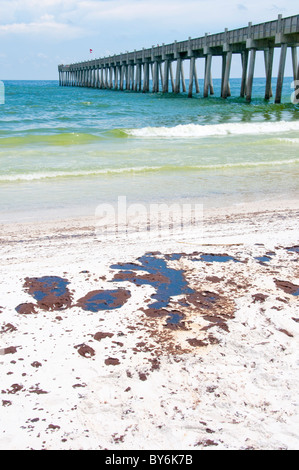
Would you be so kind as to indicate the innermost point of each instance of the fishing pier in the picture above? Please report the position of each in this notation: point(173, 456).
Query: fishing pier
point(162, 65)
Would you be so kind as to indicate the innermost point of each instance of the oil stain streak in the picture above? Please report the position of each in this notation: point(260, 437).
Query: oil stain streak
point(104, 300)
point(49, 292)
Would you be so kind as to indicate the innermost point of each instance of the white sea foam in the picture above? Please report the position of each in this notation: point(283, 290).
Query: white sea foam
point(144, 169)
point(71, 174)
point(236, 128)
point(289, 140)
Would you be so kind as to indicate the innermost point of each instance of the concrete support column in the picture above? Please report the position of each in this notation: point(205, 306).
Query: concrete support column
point(98, 76)
point(136, 73)
point(280, 76)
point(132, 77)
point(121, 83)
point(250, 74)
point(127, 77)
point(196, 79)
point(224, 58)
point(268, 54)
point(161, 74)
point(116, 68)
point(156, 77)
point(91, 77)
point(207, 81)
point(102, 82)
point(138, 78)
point(171, 77)
point(222, 73)
point(108, 77)
point(111, 77)
point(123, 76)
point(191, 76)
point(244, 59)
point(165, 85)
point(295, 62)
point(145, 77)
point(177, 86)
point(183, 76)
point(152, 73)
point(226, 74)
point(211, 83)
point(148, 77)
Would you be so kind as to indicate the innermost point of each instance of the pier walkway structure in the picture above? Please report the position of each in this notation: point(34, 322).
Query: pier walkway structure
point(132, 70)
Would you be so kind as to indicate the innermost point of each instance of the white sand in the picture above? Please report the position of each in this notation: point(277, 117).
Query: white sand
point(237, 392)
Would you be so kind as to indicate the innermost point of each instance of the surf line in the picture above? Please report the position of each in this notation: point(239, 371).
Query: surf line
point(114, 460)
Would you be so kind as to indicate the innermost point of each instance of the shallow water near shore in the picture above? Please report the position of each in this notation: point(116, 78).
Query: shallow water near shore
point(64, 151)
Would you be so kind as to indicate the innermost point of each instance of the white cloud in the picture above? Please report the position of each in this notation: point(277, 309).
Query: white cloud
point(70, 27)
point(44, 27)
point(79, 17)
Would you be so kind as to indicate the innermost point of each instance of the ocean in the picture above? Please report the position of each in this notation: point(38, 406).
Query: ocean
point(65, 150)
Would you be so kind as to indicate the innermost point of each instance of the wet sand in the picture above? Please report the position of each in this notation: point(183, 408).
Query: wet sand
point(186, 342)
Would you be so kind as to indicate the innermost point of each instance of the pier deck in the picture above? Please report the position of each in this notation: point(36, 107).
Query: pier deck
point(132, 70)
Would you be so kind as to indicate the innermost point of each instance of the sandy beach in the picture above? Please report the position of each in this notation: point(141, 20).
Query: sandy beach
point(186, 342)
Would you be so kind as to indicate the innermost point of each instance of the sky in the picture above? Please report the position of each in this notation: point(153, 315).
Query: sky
point(37, 35)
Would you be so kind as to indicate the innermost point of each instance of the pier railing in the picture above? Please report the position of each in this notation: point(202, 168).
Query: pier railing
point(132, 70)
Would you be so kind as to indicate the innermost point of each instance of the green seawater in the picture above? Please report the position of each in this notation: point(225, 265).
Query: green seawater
point(65, 150)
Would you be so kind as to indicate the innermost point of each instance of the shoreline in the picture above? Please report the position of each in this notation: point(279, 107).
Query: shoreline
point(148, 345)
point(87, 223)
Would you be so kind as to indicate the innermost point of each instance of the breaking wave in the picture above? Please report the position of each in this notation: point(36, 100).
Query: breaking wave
point(197, 130)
